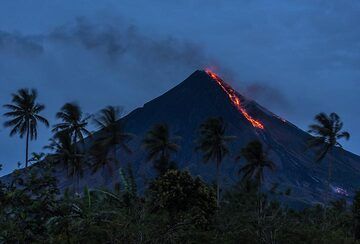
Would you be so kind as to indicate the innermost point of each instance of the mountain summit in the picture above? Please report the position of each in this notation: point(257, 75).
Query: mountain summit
point(204, 94)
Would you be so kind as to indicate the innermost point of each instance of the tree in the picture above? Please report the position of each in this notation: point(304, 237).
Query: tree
point(112, 135)
point(73, 125)
point(187, 200)
point(73, 121)
point(326, 132)
point(25, 115)
point(159, 145)
point(66, 153)
point(213, 143)
point(256, 162)
point(26, 203)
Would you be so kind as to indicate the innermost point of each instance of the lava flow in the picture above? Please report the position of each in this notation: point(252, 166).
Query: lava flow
point(234, 99)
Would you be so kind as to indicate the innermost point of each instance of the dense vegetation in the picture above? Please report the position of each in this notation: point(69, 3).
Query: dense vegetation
point(175, 206)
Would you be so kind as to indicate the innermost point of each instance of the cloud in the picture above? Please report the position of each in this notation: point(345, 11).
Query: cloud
point(19, 44)
point(118, 47)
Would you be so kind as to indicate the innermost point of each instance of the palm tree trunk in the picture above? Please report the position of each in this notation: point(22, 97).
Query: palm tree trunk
point(329, 180)
point(27, 145)
point(115, 166)
point(114, 154)
point(74, 182)
point(164, 164)
point(259, 212)
point(327, 196)
point(116, 178)
point(104, 176)
point(218, 183)
point(74, 142)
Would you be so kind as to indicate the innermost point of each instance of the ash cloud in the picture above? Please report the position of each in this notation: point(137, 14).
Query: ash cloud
point(19, 44)
point(116, 43)
point(260, 91)
point(267, 95)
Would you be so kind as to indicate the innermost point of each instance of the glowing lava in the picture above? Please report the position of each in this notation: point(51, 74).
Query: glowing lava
point(235, 100)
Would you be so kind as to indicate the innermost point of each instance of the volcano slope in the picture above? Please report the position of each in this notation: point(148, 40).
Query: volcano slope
point(203, 95)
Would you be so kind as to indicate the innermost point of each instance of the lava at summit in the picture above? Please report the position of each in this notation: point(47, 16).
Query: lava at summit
point(235, 100)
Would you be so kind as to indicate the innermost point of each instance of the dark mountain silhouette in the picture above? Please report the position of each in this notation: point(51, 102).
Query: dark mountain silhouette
point(199, 97)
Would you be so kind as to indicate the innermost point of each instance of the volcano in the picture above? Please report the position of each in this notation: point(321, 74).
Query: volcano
point(204, 94)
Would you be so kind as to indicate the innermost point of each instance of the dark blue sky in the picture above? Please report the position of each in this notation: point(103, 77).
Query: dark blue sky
point(297, 58)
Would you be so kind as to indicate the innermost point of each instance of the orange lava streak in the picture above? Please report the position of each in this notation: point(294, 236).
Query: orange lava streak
point(234, 99)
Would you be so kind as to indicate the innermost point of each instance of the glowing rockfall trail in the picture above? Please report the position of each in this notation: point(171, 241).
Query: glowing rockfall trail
point(235, 100)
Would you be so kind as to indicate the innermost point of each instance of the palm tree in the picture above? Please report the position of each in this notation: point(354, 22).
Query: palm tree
point(24, 114)
point(112, 136)
point(213, 143)
point(64, 151)
point(256, 162)
point(159, 145)
point(326, 132)
point(73, 122)
point(73, 125)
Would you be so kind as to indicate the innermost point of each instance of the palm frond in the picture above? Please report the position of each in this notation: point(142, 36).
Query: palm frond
point(344, 134)
point(42, 120)
point(160, 144)
point(326, 133)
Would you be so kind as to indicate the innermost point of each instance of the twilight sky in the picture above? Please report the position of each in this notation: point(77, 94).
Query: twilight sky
point(295, 57)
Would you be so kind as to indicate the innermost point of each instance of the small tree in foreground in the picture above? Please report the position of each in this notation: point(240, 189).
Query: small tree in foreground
point(186, 199)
